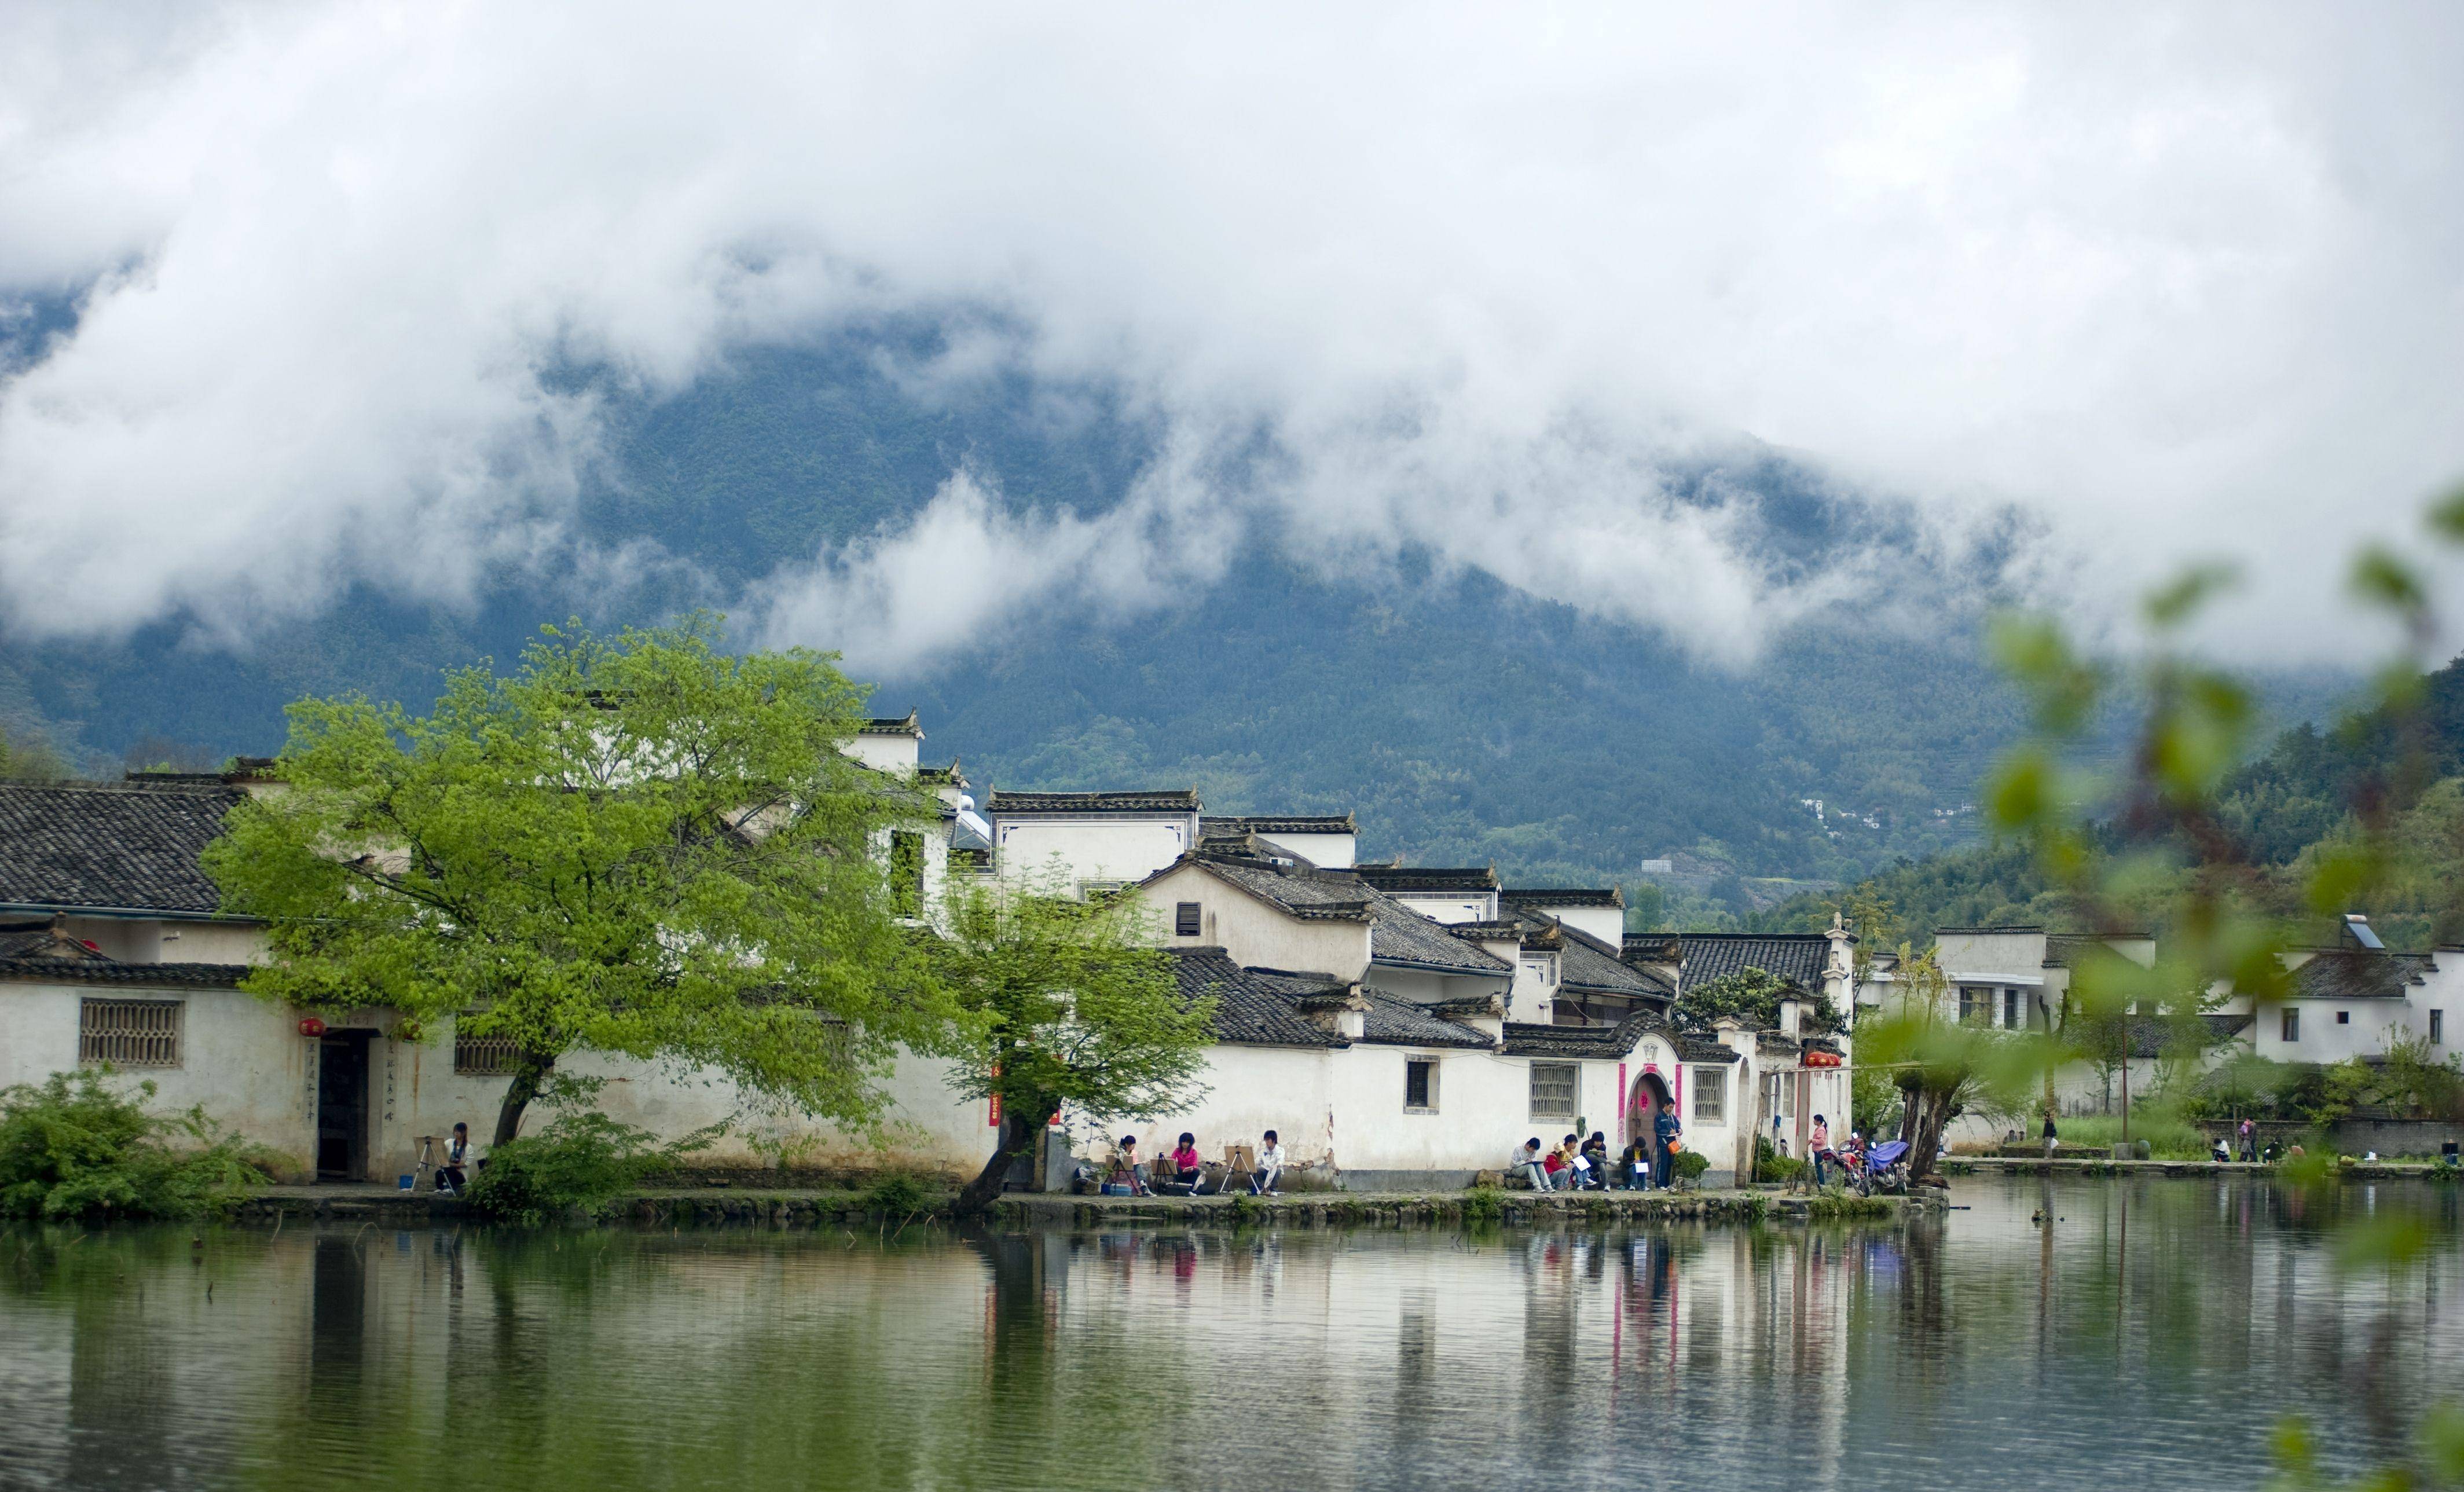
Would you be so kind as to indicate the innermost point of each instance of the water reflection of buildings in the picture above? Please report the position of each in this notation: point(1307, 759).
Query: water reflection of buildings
point(1821, 1357)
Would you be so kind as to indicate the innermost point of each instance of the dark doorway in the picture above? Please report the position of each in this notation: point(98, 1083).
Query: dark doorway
point(1649, 1097)
point(343, 1107)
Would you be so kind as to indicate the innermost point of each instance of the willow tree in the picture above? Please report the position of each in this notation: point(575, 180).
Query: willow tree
point(641, 845)
point(1075, 1008)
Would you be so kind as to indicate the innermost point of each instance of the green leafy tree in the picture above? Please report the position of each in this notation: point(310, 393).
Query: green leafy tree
point(641, 845)
point(1752, 996)
point(1075, 1008)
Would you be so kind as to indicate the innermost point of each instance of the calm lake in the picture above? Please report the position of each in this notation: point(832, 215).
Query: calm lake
point(2149, 1337)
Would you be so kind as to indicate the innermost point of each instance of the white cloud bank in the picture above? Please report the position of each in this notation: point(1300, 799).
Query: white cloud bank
point(2184, 282)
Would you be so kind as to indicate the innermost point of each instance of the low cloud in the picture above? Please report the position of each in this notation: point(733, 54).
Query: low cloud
point(2173, 283)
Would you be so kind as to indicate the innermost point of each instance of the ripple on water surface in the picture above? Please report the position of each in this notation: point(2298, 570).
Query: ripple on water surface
point(2148, 1336)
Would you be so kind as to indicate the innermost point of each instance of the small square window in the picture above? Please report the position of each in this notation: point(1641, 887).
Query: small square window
point(1184, 920)
point(2292, 1026)
point(2343, 1018)
point(1556, 1089)
point(1420, 1084)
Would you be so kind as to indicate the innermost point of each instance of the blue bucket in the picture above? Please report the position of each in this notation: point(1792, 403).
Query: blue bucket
point(406, 1182)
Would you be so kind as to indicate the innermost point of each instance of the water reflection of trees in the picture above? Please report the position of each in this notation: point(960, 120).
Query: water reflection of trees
point(1145, 1358)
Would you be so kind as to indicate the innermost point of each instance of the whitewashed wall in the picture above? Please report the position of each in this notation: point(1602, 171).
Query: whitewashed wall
point(1080, 850)
point(1327, 851)
point(1255, 935)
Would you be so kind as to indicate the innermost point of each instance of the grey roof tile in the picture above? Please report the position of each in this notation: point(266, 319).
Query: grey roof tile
point(130, 845)
point(1797, 958)
point(1251, 1009)
point(105, 971)
point(2353, 974)
point(1167, 800)
point(1395, 1022)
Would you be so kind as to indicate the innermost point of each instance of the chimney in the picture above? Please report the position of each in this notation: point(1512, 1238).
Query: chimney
point(1790, 1016)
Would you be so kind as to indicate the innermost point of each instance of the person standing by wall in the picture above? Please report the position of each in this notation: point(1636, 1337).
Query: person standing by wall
point(1665, 1131)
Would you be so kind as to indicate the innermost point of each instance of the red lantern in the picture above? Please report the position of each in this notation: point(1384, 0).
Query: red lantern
point(309, 1025)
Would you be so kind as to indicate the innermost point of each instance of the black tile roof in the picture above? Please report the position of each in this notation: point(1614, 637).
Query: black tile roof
point(2152, 1038)
point(1651, 948)
point(105, 971)
point(1564, 896)
point(1591, 965)
point(2061, 949)
point(903, 726)
point(1395, 1022)
point(1397, 935)
point(1429, 878)
point(1252, 1009)
point(110, 845)
point(2346, 974)
point(1609, 1042)
point(1183, 800)
point(1235, 825)
point(2016, 926)
point(1797, 958)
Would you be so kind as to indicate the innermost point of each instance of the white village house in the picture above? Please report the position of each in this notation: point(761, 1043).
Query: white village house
point(1396, 1026)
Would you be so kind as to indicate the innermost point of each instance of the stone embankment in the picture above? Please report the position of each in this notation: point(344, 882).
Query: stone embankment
point(1325, 1209)
point(787, 1209)
point(2099, 1166)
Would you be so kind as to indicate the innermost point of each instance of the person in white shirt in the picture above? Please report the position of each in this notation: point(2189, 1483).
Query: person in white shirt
point(1270, 1167)
point(455, 1173)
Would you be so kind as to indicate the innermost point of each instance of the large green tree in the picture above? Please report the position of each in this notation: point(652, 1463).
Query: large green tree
point(1076, 1008)
point(641, 845)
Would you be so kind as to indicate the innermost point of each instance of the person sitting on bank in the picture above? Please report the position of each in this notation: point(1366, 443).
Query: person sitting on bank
point(1533, 1166)
point(1596, 1161)
point(455, 1173)
point(1187, 1168)
point(1270, 1167)
point(1634, 1164)
point(1124, 1167)
point(1552, 1166)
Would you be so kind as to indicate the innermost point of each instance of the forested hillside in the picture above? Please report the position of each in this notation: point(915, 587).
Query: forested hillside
point(2285, 809)
point(1462, 719)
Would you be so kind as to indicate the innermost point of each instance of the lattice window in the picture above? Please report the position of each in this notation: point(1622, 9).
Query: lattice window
point(483, 1056)
point(1556, 1089)
point(1710, 1095)
point(129, 1033)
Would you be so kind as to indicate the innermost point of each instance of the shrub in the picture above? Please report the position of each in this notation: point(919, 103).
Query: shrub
point(583, 1160)
point(1770, 1165)
point(1484, 1204)
point(1690, 1165)
point(897, 1195)
point(71, 1147)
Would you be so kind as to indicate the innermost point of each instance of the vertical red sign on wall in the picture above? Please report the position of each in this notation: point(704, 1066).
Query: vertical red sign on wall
point(994, 1107)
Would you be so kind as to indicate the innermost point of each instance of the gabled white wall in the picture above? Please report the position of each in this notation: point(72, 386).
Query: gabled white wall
point(1082, 849)
point(1605, 923)
point(1256, 933)
point(1327, 851)
point(896, 755)
point(1450, 907)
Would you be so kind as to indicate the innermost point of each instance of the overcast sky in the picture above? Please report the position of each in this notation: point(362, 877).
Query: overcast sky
point(2178, 282)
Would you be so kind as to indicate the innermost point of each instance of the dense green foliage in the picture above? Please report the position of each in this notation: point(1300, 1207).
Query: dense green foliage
point(1075, 1008)
point(642, 846)
point(73, 1146)
point(2289, 811)
point(581, 1162)
point(1752, 996)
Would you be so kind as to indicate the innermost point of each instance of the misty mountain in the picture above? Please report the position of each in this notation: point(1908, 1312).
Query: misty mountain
point(1465, 721)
